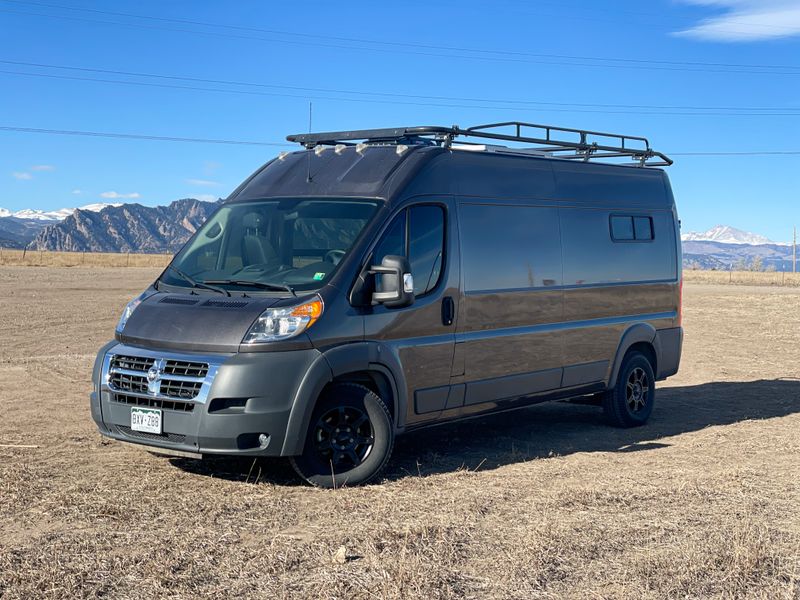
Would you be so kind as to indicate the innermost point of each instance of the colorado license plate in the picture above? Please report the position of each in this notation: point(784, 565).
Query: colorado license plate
point(147, 420)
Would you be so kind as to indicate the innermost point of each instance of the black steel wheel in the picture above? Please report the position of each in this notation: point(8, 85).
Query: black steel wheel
point(350, 438)
point(631, 401)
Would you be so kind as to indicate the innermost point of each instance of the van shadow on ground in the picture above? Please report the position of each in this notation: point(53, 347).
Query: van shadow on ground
point(550, 429)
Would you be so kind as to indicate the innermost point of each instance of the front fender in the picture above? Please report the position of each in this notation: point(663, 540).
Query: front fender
point(338, 361)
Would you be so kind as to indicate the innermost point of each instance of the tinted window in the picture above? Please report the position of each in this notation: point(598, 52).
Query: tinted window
point(621, 228)
point(393, 242)
point(509, 247)
point(592, 257)
point(425, 246)
point(417, 234)
point(643, 228)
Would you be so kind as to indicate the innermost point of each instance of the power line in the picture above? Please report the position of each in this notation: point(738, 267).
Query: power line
point(166, 138)
point(137, 136)
point(397, 102)
point(397, 44)
point(377, 94)
point(745, 153)
point(398, 47)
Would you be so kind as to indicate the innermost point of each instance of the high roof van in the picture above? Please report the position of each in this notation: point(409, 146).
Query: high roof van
point(379, 281)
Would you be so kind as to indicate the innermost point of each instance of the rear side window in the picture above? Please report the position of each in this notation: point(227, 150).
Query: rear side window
point(418, 234)
point(509, 247)
point(628, 228)
point(643, 228)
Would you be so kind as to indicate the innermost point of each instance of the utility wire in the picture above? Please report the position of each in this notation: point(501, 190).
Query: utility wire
point(381, 94)
point(136, 136)
point(477, 54)
point(406, 44)
point(165, 138)
point(396, 102)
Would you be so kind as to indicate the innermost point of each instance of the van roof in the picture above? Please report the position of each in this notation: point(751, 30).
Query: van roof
point(396, 163)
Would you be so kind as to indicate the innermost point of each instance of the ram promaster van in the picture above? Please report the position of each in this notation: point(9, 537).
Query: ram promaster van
point(380, 281)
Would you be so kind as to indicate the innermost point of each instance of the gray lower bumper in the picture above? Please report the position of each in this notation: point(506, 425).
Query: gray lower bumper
point(251, 394)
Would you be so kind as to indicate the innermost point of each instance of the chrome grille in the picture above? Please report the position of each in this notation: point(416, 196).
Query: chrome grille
point(180, 389)
point(153, 402)
point(132, 363)
point(130, 372)
point(125, 382)
point(185, 368)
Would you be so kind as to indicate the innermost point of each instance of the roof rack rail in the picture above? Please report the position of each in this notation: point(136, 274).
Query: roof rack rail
point(585, 145)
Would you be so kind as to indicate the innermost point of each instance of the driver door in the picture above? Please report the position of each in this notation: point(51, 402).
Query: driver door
point(421, 337)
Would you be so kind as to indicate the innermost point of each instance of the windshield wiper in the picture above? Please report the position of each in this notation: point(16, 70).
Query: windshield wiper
point(197, 284)
point(249, 282)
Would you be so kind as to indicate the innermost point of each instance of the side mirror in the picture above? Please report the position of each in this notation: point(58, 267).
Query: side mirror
point(397, 283)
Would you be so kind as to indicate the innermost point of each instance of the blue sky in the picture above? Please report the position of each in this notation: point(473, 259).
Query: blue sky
point(692, 75)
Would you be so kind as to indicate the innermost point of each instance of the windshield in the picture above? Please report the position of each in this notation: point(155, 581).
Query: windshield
point(271, 244)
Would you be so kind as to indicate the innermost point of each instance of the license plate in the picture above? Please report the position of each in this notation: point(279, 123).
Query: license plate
point(147, 420)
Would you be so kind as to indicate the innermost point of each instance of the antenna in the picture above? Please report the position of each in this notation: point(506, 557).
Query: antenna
point(308, 152)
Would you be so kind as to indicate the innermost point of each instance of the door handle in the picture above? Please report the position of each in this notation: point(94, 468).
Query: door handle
point(448, 310)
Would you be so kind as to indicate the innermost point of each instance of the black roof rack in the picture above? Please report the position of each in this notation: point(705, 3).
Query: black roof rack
point(553, 141)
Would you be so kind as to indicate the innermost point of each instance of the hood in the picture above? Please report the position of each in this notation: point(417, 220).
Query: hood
point(196, 323)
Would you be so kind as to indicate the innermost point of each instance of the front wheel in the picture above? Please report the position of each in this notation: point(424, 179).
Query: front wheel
point(350, 438)
point(631, 401)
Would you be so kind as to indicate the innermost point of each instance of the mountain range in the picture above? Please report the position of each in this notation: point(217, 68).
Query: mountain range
point(725, 234)
point(149, 229)
point(105, 227)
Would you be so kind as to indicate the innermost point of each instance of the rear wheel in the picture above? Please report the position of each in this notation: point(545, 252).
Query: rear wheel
point(631, 401)
point(350, 438)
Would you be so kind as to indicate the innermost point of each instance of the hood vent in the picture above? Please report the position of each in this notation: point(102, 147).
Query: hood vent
point(178, 300)
point(226, 303)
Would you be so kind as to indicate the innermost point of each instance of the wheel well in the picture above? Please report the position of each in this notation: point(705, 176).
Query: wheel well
point(374, 381)
point(646, 349)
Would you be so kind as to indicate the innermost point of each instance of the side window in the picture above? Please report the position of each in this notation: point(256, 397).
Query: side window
point(393, 242)
point(425, 246)
point(643, 228)
point(621, 228)
point(418, 234)
point(627, 228)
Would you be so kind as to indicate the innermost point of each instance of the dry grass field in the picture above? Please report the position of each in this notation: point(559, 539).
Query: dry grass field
point(548, 502)
point(36, 258)
point(771, 278)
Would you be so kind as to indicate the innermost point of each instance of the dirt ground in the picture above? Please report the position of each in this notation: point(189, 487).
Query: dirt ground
point(547, 502)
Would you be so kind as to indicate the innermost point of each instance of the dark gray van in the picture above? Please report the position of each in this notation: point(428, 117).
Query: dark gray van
point(384, 280)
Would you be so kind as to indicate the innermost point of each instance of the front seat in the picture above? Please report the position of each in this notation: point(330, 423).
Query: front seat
point(256, 248)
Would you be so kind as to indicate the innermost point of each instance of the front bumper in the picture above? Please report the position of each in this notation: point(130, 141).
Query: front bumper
point(239, 398)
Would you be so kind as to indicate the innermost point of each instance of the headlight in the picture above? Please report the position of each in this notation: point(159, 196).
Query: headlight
point(285, 322)
point(130, 307)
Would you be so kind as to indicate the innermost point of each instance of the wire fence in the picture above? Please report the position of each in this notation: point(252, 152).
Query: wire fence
point(772, 278)
point(43, 258)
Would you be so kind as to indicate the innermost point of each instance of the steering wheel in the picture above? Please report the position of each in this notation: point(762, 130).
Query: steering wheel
point(334, 256)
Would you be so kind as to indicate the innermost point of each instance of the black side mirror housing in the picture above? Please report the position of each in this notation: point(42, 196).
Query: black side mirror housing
point(397, 283)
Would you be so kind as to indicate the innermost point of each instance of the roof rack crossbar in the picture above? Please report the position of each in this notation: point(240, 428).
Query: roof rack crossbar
point(590, 145)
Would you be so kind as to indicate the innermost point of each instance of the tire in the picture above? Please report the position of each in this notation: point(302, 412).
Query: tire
point(365, 438)
point(631, 401)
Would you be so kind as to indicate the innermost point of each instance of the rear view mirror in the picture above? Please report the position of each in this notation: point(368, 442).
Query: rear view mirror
point(397, 283)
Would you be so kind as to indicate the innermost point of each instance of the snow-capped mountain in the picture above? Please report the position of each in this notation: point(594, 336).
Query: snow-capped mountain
point(725, 234)
point(52, 215)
